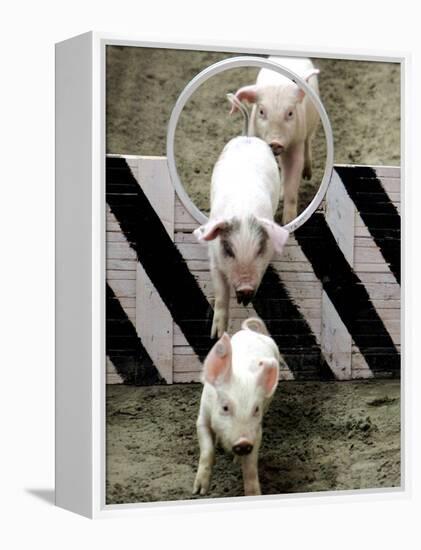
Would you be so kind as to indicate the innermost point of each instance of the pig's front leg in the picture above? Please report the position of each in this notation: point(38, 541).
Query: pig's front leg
point(221, 308)
point(250, 472)
point(206, 459)
point(292, 168)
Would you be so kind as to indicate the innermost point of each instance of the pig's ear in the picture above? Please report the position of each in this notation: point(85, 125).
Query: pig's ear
point(268, 376)
point(246, 93)
point(300, 93)
point(277, 234)
point(210, 230)
point(217, 367)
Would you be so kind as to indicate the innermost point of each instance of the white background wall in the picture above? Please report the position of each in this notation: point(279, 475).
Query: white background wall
point(28, 32)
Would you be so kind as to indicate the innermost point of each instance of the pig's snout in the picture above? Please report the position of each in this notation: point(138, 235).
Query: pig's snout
point(242, 448)
point(276, 147)
point(244, 295)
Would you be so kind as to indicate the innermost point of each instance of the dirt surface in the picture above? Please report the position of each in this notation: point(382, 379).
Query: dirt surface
point(362, 100)
point(316, 437)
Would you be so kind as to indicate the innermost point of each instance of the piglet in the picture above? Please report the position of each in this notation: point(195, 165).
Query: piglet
point(286, 118)
point(240, 376)
point(242, 235)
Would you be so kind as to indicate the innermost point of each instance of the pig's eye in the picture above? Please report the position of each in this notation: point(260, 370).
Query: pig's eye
point(256, 410)
point(227, 248)
point(290, 114)
point(225, 408)
point(262, 113)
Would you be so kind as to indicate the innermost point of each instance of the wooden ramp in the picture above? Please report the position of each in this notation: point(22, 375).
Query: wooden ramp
point(331, 302)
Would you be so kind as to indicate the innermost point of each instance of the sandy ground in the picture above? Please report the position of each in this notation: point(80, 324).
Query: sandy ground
point(317, 437)
point(361, 99)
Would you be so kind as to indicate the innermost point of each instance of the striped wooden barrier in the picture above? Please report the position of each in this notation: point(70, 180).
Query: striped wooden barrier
point(331, 302)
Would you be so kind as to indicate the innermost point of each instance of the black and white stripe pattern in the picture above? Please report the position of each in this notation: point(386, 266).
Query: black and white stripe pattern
point(376, 209)
point(348, 295)
point(124, 348)
point(314, 285)
point(160, 258)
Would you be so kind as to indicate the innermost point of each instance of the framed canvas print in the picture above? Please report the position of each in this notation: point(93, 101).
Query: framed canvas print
point(228, 245)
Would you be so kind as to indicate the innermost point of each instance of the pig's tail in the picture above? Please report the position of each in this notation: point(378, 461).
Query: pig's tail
point(255, 324)
point(241, 107)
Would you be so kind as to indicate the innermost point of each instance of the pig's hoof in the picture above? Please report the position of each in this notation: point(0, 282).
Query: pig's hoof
point(289, 214)
point(252, 493)
point(252, 490)
point(219, 325)
point(288, 218)
point(201, 484)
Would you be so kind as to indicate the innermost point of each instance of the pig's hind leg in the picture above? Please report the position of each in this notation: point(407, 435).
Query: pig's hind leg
point(292, 168)
point(206, 459)
point(221, 308)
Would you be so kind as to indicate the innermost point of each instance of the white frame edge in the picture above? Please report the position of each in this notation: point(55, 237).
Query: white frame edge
point(74, 314)
point(80, 280)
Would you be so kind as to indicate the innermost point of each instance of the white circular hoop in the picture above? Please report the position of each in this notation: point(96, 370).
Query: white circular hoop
point(235, 62)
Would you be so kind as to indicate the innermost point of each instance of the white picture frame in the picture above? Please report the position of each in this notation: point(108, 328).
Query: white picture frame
point(80, 277)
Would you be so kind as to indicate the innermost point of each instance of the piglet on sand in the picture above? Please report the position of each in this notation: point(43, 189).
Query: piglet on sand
point(240, 376)
point(242, 235)
point(285, 117)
